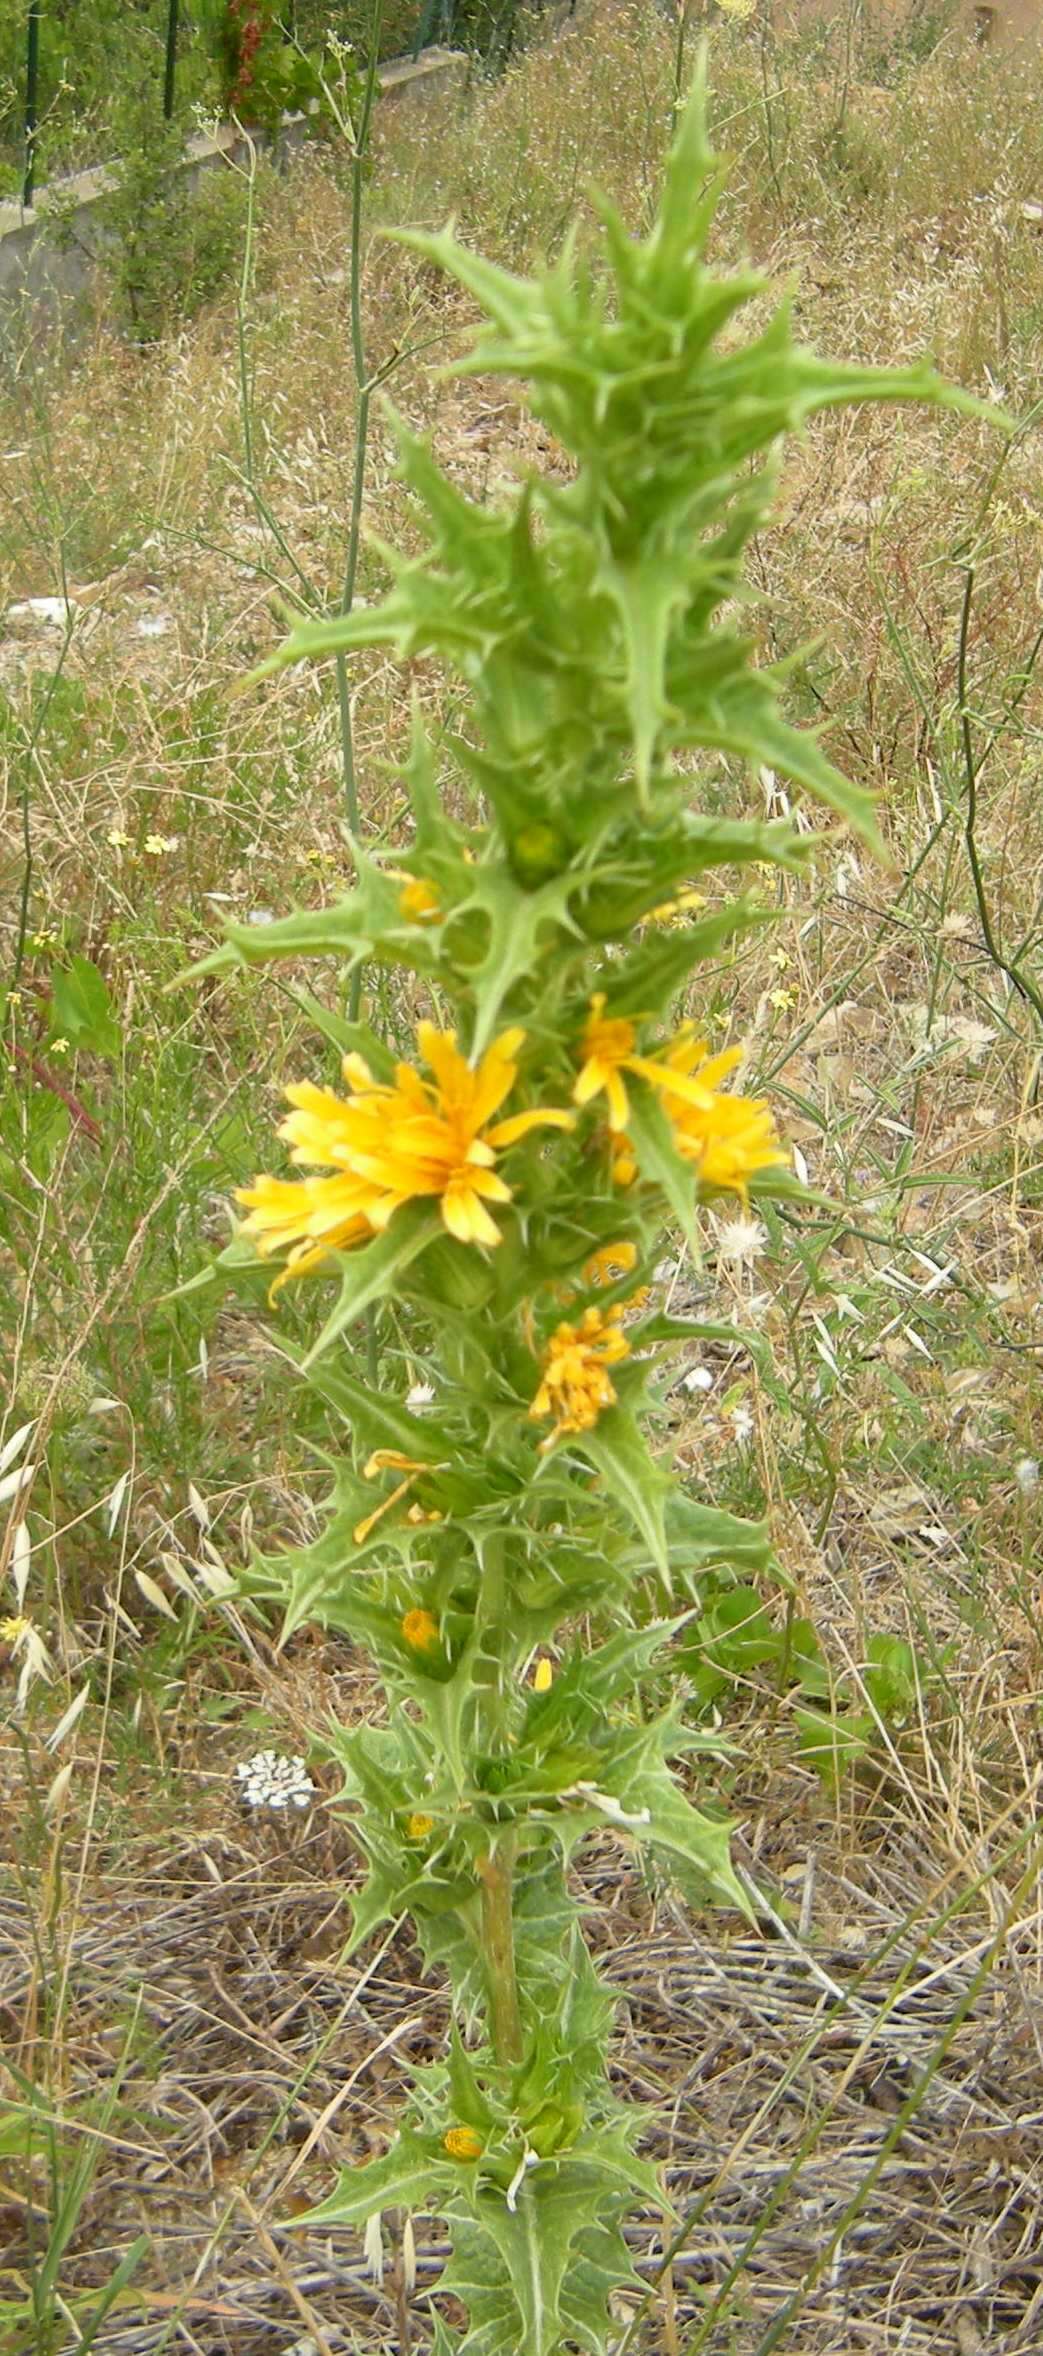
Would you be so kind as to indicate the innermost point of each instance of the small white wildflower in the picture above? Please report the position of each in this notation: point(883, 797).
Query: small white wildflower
point(974, 1038)
point(742, 1424)
point(271, 1780)
point(421, 1395)
point(1026, 1474)
point(740, 1241)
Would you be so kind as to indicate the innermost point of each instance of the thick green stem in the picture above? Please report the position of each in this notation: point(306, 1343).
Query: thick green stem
point(496, 1868)
point(497, 1875)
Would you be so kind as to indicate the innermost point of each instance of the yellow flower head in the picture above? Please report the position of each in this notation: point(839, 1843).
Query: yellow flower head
point(610, 1262)
point(726, 1138)
point(624, 1164)
point(543, 1675)
point(420, 1827)
point(576, 1384)
point(420, 1630)
point(674, 911)
point(14, 1632)
point(393, 1143)
point(608, 1052)
point(462, 2143)
point(418, 901)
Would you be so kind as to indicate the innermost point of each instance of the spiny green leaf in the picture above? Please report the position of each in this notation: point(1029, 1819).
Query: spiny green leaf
point(405, 2177)
point(655, 971)
point(616, 1445)
point(370, 1273)
point(698, 1843)
point(659, 1161)
point(377, 1420)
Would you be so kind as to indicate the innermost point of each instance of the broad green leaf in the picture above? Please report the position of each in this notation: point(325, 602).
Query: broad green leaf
point(81, 1009)
point(700, 1534)
point(832, 1740)
point(736, 1635)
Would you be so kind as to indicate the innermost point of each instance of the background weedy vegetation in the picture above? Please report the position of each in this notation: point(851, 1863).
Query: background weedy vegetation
point(852, 2118)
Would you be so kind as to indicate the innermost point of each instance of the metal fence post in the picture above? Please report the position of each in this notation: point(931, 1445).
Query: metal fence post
point(170, 66)
point(32, 76)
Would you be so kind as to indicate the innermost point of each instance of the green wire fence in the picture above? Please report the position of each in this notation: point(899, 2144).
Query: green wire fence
point(31, 117)
point(175, 33)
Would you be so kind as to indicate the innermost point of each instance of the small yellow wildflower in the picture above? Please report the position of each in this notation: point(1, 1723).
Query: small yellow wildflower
point(728, 1139)
point(419, 1827)
point(543, 1675)
point(118, 837)
point(14, 1632)
point(614, 1261)
point(610, 1262)
point(14, 998)
point(624, 1164)
point(420, 1630)
point(393, 1460)
point(608, 1052)
point(462, 2143)
point(157, 845)
point(59, 1047)
point(393, 1144)
point(672, 911)
point(418, 901)
point(576, 1384)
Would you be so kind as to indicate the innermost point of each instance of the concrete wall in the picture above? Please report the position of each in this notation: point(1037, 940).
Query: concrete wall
point(44, 263)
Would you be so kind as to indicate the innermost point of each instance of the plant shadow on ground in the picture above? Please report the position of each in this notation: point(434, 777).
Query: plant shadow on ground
point(170, 1974)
